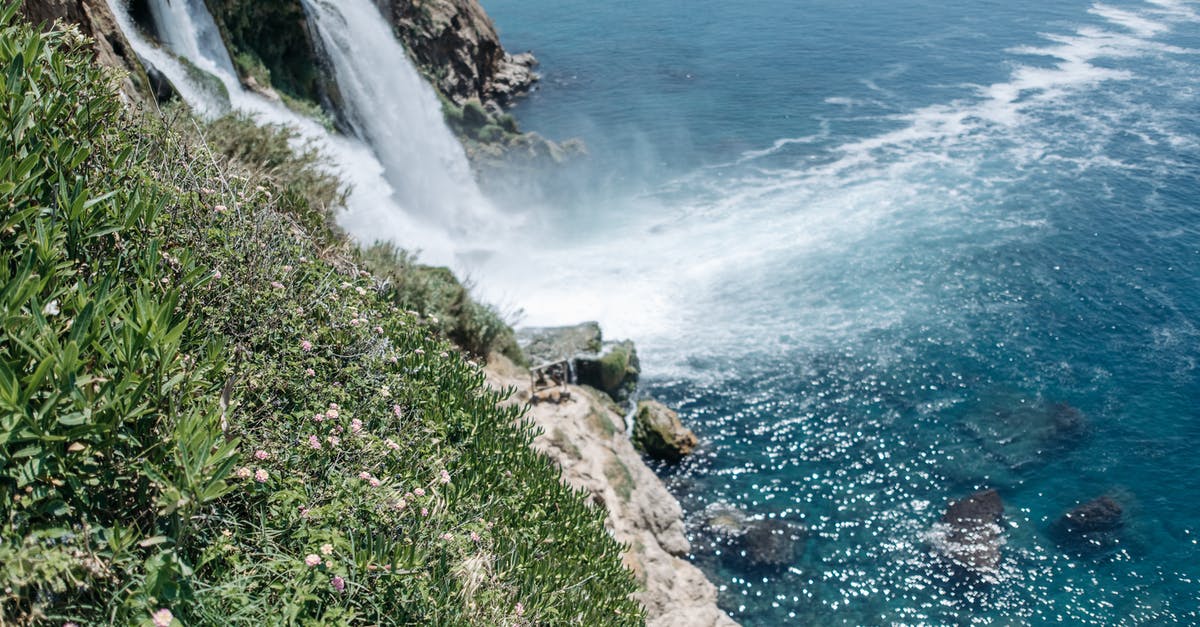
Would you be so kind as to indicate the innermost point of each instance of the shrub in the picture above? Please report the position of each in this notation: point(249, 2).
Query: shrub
point(208, 410)
point(443, 302)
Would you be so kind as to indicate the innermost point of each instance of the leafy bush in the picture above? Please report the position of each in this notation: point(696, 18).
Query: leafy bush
point(443, 302)
point(209, 414)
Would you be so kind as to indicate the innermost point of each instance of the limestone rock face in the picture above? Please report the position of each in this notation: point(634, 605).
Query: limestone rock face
point(549, 344)
point(658, 431)
point(95, 20)
point(456, 43)
point(582, 435)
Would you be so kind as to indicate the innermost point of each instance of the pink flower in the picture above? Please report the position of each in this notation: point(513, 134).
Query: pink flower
point(378, 330)
point(334, 406)
point(261, 475)
point(306, 346)
point(396, 410)
point(447, 537)
point(355, 426)
point(312, 560)
point(319, 417)
point(277, 285)
point(314, 442)
point(364, 475)
point(419, 351)
point(419, 491)
point(474, 537)
point(261, 454)
point(361, 291)
point(424, 511)
point(332, 414)
point(219, 208)
point(162, 618)
point(338, 583)
point(354, 322)
point(375, 483)
point(445, 477)
point(309, 372)
point(401, 504)
point(287, 268)
point(243, 473)
point(217, 274)
point(327, 549)
point(334, 441)
point(520, 609)
point(304, 511)
point(392, 444)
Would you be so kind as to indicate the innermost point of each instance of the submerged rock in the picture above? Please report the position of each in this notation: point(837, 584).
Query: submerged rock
point(1026, 436)
point(1094, 525)
point(969, 534)
point(1102, 514)
point(658, 432)
point(771, 543)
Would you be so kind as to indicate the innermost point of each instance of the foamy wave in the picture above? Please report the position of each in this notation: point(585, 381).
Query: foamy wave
point(721, 272)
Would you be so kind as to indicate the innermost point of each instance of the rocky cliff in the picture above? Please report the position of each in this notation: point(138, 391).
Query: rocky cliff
point(455, 43)
point(583, 432)
point(95, 20)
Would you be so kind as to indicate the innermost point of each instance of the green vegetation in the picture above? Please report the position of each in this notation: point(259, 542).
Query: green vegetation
point(270, 41)
point(618, 476)
point(212, 414)
point(443, 302)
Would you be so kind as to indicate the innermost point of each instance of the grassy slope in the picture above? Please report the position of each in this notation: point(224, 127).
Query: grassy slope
point(200, 387)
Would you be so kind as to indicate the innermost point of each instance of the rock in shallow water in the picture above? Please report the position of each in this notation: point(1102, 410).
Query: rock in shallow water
point(969, 534)
point(771, 543)
point(1091, 526)
point(658, 432)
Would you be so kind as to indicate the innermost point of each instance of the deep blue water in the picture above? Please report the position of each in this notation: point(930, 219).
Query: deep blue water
point(870, 248)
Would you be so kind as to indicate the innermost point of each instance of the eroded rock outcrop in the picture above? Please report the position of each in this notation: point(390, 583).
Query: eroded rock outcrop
point(456, 44)
point(582, 435)
point(659, 433)
point(95, 20)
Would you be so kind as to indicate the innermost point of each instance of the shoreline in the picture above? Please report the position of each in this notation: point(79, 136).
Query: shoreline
point(583, 435)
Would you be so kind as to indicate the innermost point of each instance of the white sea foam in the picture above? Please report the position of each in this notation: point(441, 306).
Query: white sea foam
point(762, 257)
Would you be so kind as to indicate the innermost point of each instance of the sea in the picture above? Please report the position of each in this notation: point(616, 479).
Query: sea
point(882, 254)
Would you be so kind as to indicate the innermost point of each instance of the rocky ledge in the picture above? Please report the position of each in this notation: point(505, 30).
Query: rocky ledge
point(581, 430)
point(96, 21)
point(456, 43)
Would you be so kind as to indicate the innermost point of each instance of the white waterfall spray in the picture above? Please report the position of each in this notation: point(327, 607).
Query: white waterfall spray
point(392, 108)
point(410, 182)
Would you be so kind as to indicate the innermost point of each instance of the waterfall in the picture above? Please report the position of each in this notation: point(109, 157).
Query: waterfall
point(409, 179)
point(188, 29)
point(393, 109)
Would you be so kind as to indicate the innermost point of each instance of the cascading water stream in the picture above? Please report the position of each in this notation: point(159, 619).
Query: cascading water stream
point(409, 179)
point(392, 108)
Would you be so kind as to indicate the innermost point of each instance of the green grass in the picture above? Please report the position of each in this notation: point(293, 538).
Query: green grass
point(201, 386)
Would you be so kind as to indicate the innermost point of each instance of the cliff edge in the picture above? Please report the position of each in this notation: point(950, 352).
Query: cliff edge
point(583, 433)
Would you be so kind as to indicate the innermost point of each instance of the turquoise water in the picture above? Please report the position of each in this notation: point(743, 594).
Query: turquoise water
point(871, 250)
